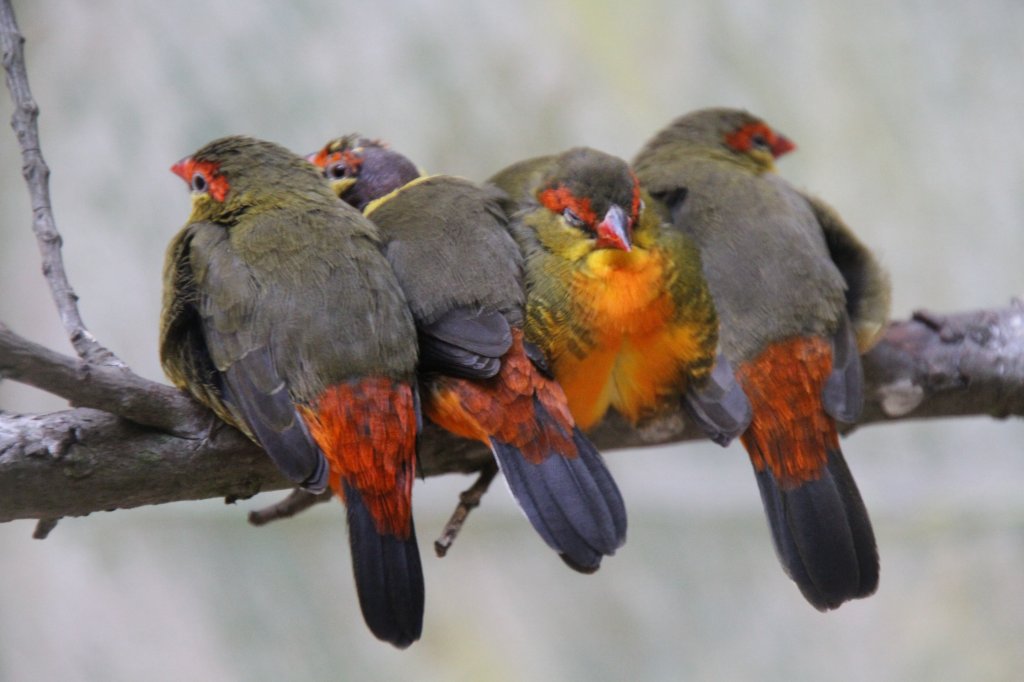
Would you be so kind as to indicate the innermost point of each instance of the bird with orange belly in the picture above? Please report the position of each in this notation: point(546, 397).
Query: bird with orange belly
point(268, 250)
point(799, 297)
point(461, 272)
point(618, 304)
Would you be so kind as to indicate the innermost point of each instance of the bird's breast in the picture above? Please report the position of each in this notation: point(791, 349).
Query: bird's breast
point(623, 293)
point(638, 349)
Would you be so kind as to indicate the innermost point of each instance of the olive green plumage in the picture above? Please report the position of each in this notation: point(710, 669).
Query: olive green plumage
point(280, 280)
point(424, 221)
point(282, 315)
point(868, 286)
point(735, 204)
point(521, 179)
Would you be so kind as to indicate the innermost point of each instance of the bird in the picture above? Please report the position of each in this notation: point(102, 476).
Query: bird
point(282, 316)
point(461, 271)
point(616, 300)
point(799, 296)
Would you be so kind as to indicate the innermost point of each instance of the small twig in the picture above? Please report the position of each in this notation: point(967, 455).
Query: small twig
point(37, 176)
point(298, 501)
point(43, 528)
point(468, 500)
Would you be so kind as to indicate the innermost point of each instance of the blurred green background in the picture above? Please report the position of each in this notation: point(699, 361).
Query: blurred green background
point(908, 118)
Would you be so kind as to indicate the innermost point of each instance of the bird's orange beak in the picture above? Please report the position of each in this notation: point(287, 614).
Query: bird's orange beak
point(782, 145)
point(614, 230)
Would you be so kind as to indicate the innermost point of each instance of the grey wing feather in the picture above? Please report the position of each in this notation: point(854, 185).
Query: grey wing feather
point(719, 405)
point(843, 395)
point(466, 343)
point(253, 387)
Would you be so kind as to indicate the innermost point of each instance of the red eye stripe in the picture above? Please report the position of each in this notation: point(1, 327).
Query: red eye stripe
point(743, 139)
point(217, 186)
point(560, 198)
point(324, 157)
point(351, 160)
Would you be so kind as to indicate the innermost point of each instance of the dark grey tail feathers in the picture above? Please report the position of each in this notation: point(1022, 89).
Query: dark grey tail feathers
point(823, 535)
point(388, 574)
point(572, 502)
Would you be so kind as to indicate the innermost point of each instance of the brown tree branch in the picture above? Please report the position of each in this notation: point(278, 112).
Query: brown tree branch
point(79, 461)
point(101, 387)
point(37, 177)
point(934, 366)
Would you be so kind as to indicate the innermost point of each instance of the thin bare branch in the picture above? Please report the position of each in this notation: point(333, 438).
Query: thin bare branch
point(469, 499)
point(43, 528)
point(298, 501)
point(37, 176)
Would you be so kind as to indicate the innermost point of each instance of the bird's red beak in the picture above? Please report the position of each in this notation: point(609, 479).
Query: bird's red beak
point(614, 231)
point(782, 145)
point(183, 169)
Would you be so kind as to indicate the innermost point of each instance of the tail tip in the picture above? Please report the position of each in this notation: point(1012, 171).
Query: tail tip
point(585, 568)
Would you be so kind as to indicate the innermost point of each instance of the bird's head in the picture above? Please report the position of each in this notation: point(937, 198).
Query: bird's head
point(593, 202)
point(234, 174)
point(361, 170)
point(731, 134)
point(754, 139)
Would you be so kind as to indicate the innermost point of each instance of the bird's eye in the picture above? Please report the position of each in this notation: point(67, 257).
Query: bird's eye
point(760, 141)
point(572, 217)
point(199, 183)
point(336, 171)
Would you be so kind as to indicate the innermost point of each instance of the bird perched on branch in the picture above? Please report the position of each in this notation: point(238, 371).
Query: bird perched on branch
point(461, 273)
point(616, 301)
point(282, 316)
point(798, 296)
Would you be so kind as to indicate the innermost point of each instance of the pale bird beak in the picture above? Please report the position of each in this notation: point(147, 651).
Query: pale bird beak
point(614, 231)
